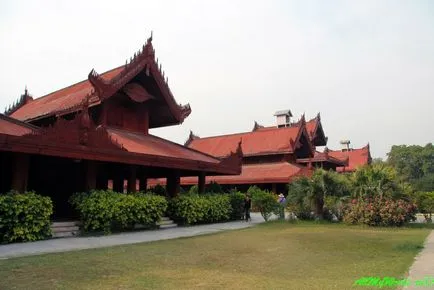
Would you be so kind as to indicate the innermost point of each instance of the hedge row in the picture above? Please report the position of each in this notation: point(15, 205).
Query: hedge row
point(24, 217)
point(194, 208)
point(106, 210)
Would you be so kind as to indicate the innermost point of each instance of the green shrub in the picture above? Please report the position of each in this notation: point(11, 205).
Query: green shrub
point(379, 211)
point(302, 210)
point(335, 206)
point(265, 202)
point(237, 205)
point(213, 187)
point(425, 204)
point(24, 217)
point(218, 208)
point(158, 190)
point(193, 208)
point(193, 190)
point(108, 210)
point(187, 209)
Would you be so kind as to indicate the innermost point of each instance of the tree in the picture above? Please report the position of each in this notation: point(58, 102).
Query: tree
point(425, 204)
point(264, 201)
point(315, 189)
point(377, 180)
point(414, 164)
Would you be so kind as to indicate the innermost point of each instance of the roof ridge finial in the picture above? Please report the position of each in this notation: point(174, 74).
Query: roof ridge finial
point(150, 38)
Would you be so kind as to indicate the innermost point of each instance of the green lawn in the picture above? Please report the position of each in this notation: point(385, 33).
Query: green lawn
point(269, 256)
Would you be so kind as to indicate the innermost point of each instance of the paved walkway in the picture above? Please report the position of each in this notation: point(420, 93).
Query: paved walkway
point(423, 266)
point(79, 243)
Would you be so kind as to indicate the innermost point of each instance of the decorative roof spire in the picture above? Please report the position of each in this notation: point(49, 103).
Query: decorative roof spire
point(150, 38)
point(22, 100)
point(191, 137)
point(256, 126)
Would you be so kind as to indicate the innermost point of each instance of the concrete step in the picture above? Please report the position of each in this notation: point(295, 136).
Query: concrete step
point(65, 234)
point(65, 229)
point(139, 227)
point(168, 226)
point(165, 222)
point(165, 218)
point(65, 224)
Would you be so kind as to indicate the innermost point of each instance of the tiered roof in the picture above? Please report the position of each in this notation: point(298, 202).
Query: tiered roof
point(98, 88)
point(324, 157)
point(79, 138)
point(356, 158)
point(313, 127)
point(266, 141)
point(276, 172)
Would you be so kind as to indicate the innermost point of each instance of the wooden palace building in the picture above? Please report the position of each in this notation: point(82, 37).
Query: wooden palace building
point(275, 155)
point(96, 132)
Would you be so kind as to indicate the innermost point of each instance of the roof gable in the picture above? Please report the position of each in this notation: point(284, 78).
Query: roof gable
point(100, 87)
point(265, 142)
point(356, 157)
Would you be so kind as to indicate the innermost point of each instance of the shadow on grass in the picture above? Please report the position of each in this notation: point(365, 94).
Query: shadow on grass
point(303, 223)
point(408, 247)
point(420, 226)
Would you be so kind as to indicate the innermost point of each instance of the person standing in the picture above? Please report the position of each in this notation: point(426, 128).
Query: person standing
point(247, 207)
point(281, 201)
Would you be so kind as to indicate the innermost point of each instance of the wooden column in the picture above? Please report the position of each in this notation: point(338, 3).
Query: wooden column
point(201, 182)
point(20, 174)
point(274, 188)
point(143, 183)
point(5, 169)
point(173, 183)
point(91, 169)
point(118, 183)
point(132, 179)
point(101, 179)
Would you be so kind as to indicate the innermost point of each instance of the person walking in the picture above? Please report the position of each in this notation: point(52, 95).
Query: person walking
point(247, 207)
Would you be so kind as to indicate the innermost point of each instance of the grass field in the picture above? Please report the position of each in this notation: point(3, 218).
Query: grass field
point(269, 256)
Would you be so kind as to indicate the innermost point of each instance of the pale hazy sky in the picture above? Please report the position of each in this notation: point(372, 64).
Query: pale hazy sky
point(367, 66)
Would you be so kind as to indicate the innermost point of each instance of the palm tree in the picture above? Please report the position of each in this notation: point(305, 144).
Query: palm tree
point(314, 189)
point(376, 180)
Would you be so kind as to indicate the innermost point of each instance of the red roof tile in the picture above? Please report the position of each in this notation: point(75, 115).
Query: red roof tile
point(10, 126)
point(357, 157)
point(253, 143)
point(281, 172)
point(311, 126)
point(59, 100)
point(149, 144)
point(323, 157)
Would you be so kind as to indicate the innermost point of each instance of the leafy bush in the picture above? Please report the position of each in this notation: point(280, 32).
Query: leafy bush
point(213, 187)
point(193, 208)
point(24, 217)
point(308, 194)
point(109, 210)
point(378, 180)
point(237, 205)
point(193, 190)
point(264, 201)
point(158, 190)
point(335, 206)
point(425, 204)
point(218, 208)
point(379, 211)
point(302, 209)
